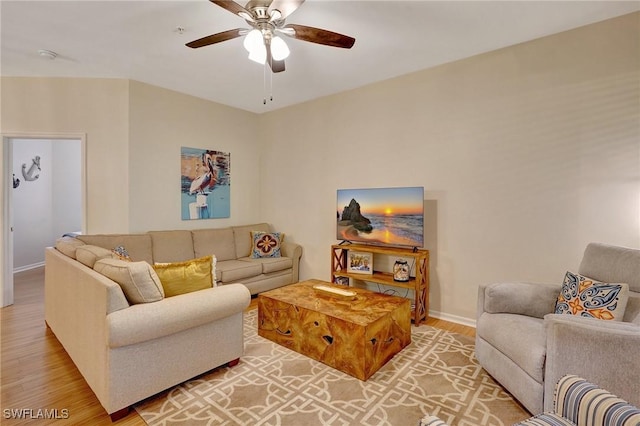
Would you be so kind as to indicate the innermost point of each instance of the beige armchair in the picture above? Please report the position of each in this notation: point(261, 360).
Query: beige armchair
point(527, 348)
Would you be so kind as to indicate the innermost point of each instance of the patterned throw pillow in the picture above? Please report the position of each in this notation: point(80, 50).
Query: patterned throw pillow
point(586, 297)
point(266, 244)
point(121, 253)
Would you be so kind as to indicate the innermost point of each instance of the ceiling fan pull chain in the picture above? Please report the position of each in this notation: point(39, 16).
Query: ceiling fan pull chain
point(264, 83)
point(271, 83)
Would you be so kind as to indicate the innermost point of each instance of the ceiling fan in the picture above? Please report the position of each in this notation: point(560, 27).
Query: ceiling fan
point(267, 19)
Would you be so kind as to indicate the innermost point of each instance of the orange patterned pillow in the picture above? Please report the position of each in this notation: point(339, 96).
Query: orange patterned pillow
point(587, 297)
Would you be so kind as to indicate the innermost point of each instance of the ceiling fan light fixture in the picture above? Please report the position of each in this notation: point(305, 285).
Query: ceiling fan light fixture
point(275, 14)
point(253, 41)
point(259, 54)
point(279, 49)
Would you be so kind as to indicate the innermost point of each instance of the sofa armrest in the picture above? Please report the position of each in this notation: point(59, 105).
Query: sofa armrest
point(147, 321)
point(602, 352)
point(534, 300)
point(294, 251)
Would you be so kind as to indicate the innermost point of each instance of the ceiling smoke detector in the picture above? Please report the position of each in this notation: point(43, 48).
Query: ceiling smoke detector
point(47, 54)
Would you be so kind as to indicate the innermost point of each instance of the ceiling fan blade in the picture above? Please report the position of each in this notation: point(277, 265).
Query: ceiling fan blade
point(276, 66)
point(234, 8)
point(286, 7)
point(320, 36)
point(216, 38)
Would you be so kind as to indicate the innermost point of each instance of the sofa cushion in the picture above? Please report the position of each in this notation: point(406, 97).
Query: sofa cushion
point(68, 246)
point(612, 264)
point(138, 280)
point(89, 254)
point(185, 277)
point(242, 236)
point(172, 246)
point(587, 297)
point(265, 244)
point(137, 245)
point(219, 242)
point(520, 338)
point(534, 300)
point(271, 264)
point(632, 313)
point(235, 270)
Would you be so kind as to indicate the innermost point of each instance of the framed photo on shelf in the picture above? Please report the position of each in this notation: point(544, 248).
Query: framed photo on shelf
point(360, 262)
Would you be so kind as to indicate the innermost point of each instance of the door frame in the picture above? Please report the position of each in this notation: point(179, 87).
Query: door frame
point(6, 296)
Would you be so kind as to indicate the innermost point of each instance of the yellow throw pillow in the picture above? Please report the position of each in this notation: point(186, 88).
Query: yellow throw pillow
point(185, 277)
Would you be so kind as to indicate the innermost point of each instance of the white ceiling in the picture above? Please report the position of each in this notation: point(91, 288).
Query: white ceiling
point(138, 40)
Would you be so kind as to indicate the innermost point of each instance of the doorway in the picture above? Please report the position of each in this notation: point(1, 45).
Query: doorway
point(44, 198)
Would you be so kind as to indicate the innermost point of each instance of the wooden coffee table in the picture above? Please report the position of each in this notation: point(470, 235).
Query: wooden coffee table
point(356, 335)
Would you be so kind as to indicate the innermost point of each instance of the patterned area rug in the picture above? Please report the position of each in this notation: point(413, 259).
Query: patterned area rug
point(436, 374)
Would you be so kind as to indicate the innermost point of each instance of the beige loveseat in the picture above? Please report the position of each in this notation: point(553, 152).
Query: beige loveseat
point(127, 352)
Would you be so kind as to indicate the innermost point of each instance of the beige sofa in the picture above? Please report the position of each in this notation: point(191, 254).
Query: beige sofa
point(231, 246)
point(128, 352)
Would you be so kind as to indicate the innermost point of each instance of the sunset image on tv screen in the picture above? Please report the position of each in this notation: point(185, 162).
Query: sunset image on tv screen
point(389, 216)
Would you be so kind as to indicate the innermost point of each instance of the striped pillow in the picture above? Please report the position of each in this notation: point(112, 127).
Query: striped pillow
point(546, 419)
point(586, 404)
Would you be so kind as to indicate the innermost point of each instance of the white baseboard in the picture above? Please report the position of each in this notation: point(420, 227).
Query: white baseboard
point(453, 318)
point(28, 267)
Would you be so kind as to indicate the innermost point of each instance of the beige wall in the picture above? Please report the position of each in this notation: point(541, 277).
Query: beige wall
point(97, 108)
point(163, 121)
point(526, 155)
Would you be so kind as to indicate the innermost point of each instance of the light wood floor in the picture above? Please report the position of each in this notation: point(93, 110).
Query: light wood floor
point(36, 372)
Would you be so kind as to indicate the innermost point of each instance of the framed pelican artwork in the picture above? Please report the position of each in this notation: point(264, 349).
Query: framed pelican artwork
point(205, 186)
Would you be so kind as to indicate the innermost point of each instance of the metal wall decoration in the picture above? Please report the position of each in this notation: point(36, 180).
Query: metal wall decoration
point(28, 174)
point(16, 181)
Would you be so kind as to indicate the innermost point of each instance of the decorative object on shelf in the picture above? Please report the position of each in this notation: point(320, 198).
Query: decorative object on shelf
point(16, 181)
point(401, 271)
point(360, 262)
point(341, 281)
point(28, 174)
point(205, 183)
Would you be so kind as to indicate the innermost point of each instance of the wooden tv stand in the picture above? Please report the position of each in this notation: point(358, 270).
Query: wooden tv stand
point(419, 284)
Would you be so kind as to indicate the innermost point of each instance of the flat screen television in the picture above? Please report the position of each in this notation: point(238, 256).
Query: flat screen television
point(383, 216)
